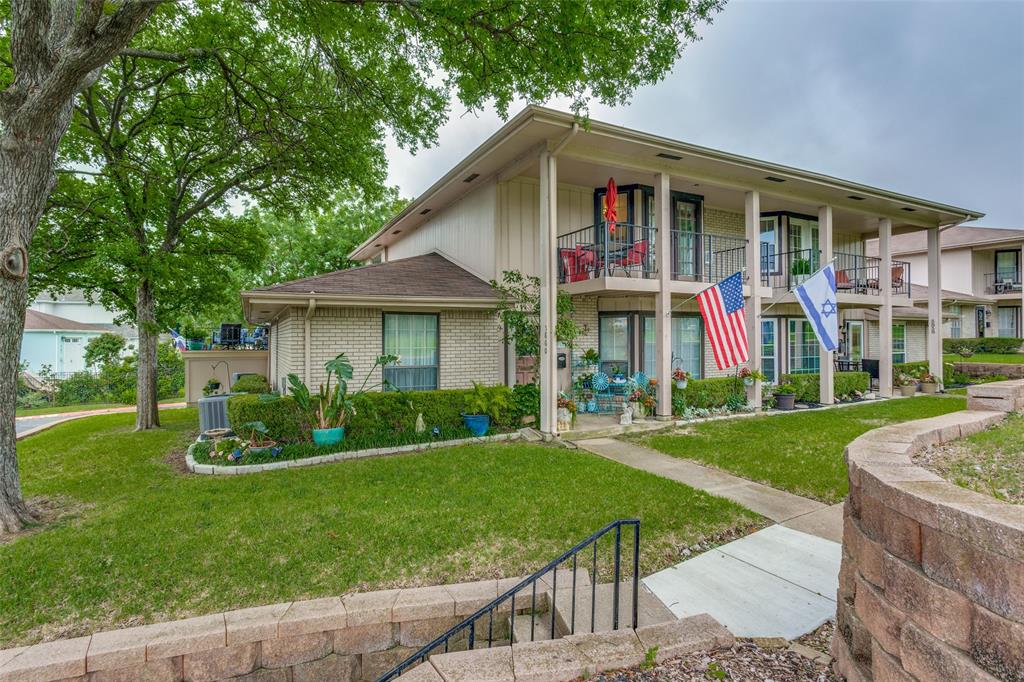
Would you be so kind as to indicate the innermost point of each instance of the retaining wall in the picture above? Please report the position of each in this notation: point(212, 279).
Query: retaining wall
point(987, 369)
point(932, 579)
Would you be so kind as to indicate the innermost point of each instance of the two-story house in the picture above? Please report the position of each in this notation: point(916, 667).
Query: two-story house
point(532, 198)
point(981, 272)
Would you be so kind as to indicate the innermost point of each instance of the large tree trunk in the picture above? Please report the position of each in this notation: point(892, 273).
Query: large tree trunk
point(146, 414)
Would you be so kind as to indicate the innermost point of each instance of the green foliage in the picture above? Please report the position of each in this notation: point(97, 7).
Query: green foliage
point(988, 344)
point(332, 407)
point(104, 349)
point(115, 382)
point(650, 656)
point(706, 393)
point(591, 357)
point(807, 387)
point(526, 402)
point(492, 401)
point(251, 383)
point(800, 266)
point(519, 309)
point(282, 417)
point(916, 369)
point(392, 412)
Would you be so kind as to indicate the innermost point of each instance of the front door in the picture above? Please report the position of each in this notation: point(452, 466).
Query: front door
point(686, 232)
point(979, 317)
point(854, 341)
point(74, 354)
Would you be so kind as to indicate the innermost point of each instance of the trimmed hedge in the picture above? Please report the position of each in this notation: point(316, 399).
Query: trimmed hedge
point(251, 383)
point(988, 344)
point(384, 413)
point(708, 393)
point(282, 416)
point(808, 386)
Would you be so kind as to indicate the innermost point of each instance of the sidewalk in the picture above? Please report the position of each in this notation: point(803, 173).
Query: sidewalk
point(32, 424)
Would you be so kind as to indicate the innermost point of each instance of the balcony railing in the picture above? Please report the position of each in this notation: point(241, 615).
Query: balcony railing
point(855, 274)
point(1006, 282)
point(706, 257)
point(603, 250)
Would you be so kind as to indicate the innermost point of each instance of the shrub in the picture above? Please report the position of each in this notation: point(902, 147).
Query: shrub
point(251, 383)
point(281, 415)
point(706, 393)
point(808, 386)
point(988, 344)
point(916, 369)
point(525, 403)
point(393, 412)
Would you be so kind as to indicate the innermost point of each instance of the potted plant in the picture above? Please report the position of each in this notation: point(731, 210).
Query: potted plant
point(329, 409)
point(906, 383)
point(194, 335)
point(590, 358)
point(482, 405)
point(636, 402)
point(681, 377)
point(929, 384)
point(800, 269)
point(566, 412)
point(255, 433)
point(211, 388)
point(617, 373)
point(785, 396)
point(749, 376)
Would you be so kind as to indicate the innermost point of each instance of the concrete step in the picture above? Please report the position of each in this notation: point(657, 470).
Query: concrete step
point(541, 627)
point(650, 609)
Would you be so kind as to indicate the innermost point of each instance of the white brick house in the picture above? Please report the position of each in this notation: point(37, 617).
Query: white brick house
point(532, 198)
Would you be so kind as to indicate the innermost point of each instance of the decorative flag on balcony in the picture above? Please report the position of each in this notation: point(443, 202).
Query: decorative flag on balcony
point(611, 197)
point(817, 296)
point(721, 306)
point(179, 340)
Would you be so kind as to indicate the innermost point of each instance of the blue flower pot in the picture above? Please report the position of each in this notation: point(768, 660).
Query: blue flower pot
point(477, 423)
point(325, 437)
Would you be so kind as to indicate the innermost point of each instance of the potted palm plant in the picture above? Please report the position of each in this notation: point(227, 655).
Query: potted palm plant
point(329, 409)
point(785, 396)
point(800, 269)
point(255, 434)
point(483, 405)
point(590, 359)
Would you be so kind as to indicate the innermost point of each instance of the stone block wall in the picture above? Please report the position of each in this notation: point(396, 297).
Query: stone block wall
point(932, 579)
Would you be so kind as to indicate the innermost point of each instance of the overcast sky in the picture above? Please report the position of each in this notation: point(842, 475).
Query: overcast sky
point(924, 98)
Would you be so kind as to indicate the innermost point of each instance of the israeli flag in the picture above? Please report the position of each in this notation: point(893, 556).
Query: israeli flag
point(817, 296)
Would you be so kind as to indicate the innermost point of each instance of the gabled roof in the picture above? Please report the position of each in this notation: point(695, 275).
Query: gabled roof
point(960, 237)
point(37, 321)
point(920, 293)
point(428, 276)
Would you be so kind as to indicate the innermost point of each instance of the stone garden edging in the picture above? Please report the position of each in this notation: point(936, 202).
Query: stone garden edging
point(932, 579)
point(239, 469)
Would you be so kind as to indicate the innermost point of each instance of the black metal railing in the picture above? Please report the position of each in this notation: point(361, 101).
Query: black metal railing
point(607, 250)
point(861, 274)
point(1005, 282)
point(468, 626)
point(787, 269)
point(706, 257)
point(229, 336)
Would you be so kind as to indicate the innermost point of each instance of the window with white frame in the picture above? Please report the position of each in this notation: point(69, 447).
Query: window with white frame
point(899, 342)
point(956, 330)
point(687, 342)
point(803, 348)
point(413, 337)
point(1006, 316)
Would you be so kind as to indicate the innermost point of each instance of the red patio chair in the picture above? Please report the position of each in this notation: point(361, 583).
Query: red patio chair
point(843, 280)
point(568, 263)
point(586, 263)
point(636, 255)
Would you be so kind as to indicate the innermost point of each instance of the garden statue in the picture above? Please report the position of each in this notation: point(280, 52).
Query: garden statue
point(420, 425)
point(626, 418)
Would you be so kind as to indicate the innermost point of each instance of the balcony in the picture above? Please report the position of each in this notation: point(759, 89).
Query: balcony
point(855, 274)
point(1005, 282)
point(629, 251)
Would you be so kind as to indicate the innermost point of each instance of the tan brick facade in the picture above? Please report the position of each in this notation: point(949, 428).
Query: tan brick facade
point(471, 346)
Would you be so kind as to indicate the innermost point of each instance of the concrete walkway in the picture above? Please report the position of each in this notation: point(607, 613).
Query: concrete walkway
point(777, 505)
point(32, 424)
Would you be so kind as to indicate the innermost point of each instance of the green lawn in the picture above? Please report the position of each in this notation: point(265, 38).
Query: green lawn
point(801, 453)
point(148, 543)
point(989, 462)
point(56, 409)
point(995, 358)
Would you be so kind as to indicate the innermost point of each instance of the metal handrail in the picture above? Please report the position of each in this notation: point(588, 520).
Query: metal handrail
point(593, 251)
point(1005, 282)
point(706, 257)
point(469, 623)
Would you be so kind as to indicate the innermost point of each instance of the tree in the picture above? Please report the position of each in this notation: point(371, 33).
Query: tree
point(316, 242)
point(384, 66)
point(519, 309)
point(104, 349)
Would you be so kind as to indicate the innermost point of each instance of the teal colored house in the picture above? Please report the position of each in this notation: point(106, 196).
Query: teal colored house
point(56, 341)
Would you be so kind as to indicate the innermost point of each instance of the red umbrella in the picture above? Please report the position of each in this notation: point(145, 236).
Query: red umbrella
point(610, 199)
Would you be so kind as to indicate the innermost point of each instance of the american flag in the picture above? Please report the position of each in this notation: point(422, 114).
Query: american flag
point(721, 306)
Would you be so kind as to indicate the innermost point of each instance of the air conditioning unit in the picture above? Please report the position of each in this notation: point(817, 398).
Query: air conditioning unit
point(213, 412)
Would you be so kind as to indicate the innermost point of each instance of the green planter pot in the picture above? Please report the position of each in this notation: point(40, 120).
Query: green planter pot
point(195, 344)
point(325, 437)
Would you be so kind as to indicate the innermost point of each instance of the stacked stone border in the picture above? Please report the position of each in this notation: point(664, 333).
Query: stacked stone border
point(932, 579)
point(352, 638)
point(235, 470)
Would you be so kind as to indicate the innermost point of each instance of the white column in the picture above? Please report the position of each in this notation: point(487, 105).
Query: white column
point(826, 367)
point(663, 299)
point(752, 223)
point(885, 312)
point(548, 293)
point(934, 342)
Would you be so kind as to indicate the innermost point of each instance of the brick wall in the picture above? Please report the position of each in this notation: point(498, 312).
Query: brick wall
point(932, 579)
point(730, 223)
point(471, 345)
point(586, 315)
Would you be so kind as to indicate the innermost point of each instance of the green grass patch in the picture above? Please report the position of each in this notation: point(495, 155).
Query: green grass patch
point(802, 452)
point(59, 409)
point(993, 358)
point(989, 462)
point(148, 543)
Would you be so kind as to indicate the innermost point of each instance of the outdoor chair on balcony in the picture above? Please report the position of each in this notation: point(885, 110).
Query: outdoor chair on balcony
point(843, 282)
point(230, 335)
point(897, 279)
point(577, 263)
point(636, 258)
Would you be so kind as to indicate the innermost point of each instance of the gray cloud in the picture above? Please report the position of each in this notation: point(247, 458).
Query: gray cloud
point(924, 98)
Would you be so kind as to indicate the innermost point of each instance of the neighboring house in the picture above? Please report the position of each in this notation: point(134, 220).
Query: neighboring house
point(56, 342)
point(531, 199)
point(984, 263)
point(74, 306)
